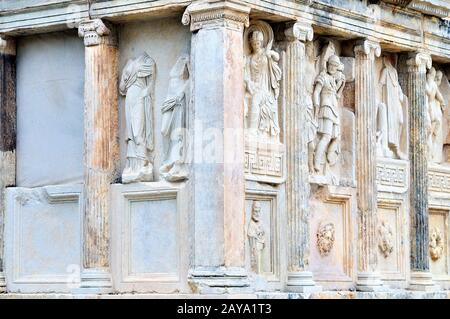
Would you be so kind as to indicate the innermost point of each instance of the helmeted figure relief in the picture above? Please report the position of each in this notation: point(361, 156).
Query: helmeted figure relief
point(137, 85)
point(262, 83)
point(390, 117)
point(435, 107)
point(325, 238)
point(328, 88)
point(173, 127)
point(436, 244)
point(386, 240)
point(256, 236)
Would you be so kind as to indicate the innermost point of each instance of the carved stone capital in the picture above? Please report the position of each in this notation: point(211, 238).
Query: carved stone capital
point(369, 48)
point(97, 32)
point(419, 62)
point(300, 31)
point(210, 15)
point(7, 45)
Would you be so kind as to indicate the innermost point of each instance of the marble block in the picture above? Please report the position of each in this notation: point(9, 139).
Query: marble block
point(149, 243)
point(43, 239)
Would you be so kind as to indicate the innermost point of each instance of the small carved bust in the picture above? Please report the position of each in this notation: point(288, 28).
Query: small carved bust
point(325, 238)
point(436, 244)
point(385, 242)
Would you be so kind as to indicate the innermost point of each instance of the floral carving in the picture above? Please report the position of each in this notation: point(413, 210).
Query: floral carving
point(325, 238)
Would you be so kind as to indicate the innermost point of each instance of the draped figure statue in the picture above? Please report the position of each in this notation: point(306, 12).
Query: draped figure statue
point(435, 106)
point(393, 100)
point(262, 83)
point(173, 128)
point(136, 84)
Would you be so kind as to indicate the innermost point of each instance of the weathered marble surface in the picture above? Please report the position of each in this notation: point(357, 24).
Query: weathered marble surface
point(246, 148)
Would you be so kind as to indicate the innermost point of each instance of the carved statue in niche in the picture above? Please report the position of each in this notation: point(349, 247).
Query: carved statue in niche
point(385, 243)
point(390, 113)
point(137, 85)
point(436, 244)
point(328, 88)
point(435, 107)
point(173, 127)
point(256, 237)
point(310, 71)
point(325, 238)
point(262, 83)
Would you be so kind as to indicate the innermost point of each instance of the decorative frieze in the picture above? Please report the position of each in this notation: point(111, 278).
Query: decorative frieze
point(439, 179)
point(392, 173)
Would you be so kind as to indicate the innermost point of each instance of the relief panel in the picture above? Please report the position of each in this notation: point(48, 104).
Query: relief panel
point(148, 238)
point(332, 237)
point(43, 239)
point(438, 244)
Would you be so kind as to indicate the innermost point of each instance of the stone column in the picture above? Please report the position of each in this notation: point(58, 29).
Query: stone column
point(101, 149)
point(218, 170)
point(297, 183)
point(365, 104)
point(417, 65)
point(7, 132)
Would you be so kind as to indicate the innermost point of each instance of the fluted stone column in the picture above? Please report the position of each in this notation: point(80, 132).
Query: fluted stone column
point(417, 65)
point(365, 105)
point(297, 183)
point(101, 149)
point(7, 131)
point(218, 175)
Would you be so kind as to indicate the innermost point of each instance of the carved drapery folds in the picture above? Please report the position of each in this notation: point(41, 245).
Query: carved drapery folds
point(173, 128)
point(264, 154)
point(390, 114)
point(137, 85)
point(435, 106)
point(101, 149)
point(256, 237)
point(365, 104)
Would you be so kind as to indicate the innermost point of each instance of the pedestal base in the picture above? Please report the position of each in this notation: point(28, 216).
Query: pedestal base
point(422, 281)
point(219, 280)
point(370, 282)
point(302, 282)
point(95, 282)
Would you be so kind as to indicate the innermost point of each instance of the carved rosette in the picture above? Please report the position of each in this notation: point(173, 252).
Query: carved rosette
point(325, 238)
point(436, 244)
point(386, 239)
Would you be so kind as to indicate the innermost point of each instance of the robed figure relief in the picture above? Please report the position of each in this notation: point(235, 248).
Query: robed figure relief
point(137, 85)
point(262, 84)
point(173, 127)
point(391, 119)
point(256, 236)
point(435, 107)
point(328, 88)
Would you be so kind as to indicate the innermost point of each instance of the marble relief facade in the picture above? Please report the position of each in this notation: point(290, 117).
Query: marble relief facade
point(228, 148)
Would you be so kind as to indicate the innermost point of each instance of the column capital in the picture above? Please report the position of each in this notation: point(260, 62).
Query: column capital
point(216, 13)
point(7, 45)
point(97, 32)
point(419, 62)
point(301, 31)
point(368, 47)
